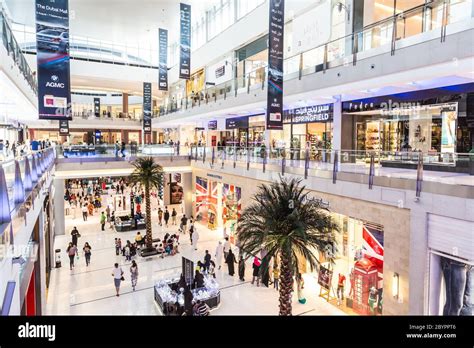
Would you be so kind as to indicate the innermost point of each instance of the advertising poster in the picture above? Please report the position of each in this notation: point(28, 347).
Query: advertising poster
point(163, 60)
point(325, 277)
point(52, 42)
point(176, 193)
point(275, 65)
point(97, 107)
point(63, 127)
point(448, 130)
point(212, 125)
point(185, 42)
point(147, 107)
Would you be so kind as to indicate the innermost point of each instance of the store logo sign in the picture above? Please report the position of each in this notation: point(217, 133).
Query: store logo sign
point(310, 114)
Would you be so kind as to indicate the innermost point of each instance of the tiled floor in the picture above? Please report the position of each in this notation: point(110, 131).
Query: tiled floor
point(90, 290)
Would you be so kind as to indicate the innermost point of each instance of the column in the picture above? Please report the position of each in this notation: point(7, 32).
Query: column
point(59, 220)
point(187, 182)
point(220, 208)
point(125, 103)
point(337, 123)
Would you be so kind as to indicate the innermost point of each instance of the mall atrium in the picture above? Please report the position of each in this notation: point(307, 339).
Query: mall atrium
point(237, 157)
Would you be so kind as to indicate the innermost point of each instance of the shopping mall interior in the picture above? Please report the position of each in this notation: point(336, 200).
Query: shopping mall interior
point(237, 158)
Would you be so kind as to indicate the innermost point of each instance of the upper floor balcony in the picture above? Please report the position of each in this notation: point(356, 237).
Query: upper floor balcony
point(439, 32)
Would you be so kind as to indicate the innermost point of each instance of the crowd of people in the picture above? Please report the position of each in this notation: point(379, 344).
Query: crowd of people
point(21, 148)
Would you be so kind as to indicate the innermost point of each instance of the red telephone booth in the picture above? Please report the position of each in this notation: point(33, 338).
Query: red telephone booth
point(365, 277)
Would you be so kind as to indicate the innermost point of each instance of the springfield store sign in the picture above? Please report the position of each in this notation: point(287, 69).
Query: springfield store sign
point(309, 114)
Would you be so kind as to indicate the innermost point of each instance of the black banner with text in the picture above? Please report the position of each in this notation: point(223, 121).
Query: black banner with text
point(63, 127)
point(147, 107)
point(52, 42)
point(275, 65)
point(185, 42)
point(97, 107)
point(163, 60)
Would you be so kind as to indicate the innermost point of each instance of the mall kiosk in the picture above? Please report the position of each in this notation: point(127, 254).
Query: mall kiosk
point(170, 298)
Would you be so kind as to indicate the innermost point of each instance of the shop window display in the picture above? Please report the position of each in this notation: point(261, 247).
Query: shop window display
point(354, 282)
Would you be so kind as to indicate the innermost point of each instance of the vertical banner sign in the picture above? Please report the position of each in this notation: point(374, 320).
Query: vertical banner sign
point(185, 42)
point(63, 127)
point(275, 65)
point(146, 107)
point(97, 107)
point(52, 42)
point(163, 63)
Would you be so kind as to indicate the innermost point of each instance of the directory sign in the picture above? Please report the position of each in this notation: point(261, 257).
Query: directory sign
point(163, 60)
point(275, 65)
point(185, 42)
point(147, 107)
point(52, 42)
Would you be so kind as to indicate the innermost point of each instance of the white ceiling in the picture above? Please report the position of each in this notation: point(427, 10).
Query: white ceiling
point(124, 21)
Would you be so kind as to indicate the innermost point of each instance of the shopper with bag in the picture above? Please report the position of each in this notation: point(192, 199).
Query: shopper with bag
point(117, 273)
point(134, 274)
point(75, 235)
point(71, 252)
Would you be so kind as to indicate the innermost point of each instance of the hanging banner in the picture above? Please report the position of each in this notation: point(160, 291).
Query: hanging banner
point(275, 65)
point(63, 127)
point(52, 42)
point(147, 107)
point(97, 107)
point(185, 42)
point(163, 63)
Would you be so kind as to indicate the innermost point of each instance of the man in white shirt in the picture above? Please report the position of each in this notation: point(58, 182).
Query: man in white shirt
point(117, 273)
point(227, 247)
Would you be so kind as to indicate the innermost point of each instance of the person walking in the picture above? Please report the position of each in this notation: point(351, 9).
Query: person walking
point(227, 247)
point(134, 274)
point(122, 150)
point(212, 269)
point(117, 148)
point(173, 216)
point(71, 252)
point(166, 216)
point(103, 218)
point(276, 277)
point(87, 253)
point(160, 216)
point(299, 288)
point(241, 268)
point(230, 260)
point(112, 220)
point(75, 235)
point(127, 252)
point(107, 212)
point(84, 212)
point(195, 238)
point(118, 246)
point(256, 270)
point(219, 254)
point(117, 273)
point(207, 261)
point(184, 223)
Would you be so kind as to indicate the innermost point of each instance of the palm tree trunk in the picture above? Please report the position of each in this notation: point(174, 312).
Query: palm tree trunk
point(149, 235)
point(286, 286)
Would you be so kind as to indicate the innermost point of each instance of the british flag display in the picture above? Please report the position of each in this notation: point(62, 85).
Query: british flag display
point(372, 247)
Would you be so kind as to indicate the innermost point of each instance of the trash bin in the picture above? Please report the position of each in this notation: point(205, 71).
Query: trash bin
point(57, 257)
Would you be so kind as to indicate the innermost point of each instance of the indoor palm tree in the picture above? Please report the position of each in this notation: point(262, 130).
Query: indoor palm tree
point(150, 175)
point(284, 221)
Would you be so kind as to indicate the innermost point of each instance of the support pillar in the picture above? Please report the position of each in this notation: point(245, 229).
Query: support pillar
point(59, 220)
point(187, 182)
point(337, 123)
point(125, 103)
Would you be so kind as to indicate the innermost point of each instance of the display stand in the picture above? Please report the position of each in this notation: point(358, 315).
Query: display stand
point(326, 293)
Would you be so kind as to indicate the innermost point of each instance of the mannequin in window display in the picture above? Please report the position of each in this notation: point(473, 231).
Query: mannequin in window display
point(340, 288)
point(459, 286)
point(373, 299)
